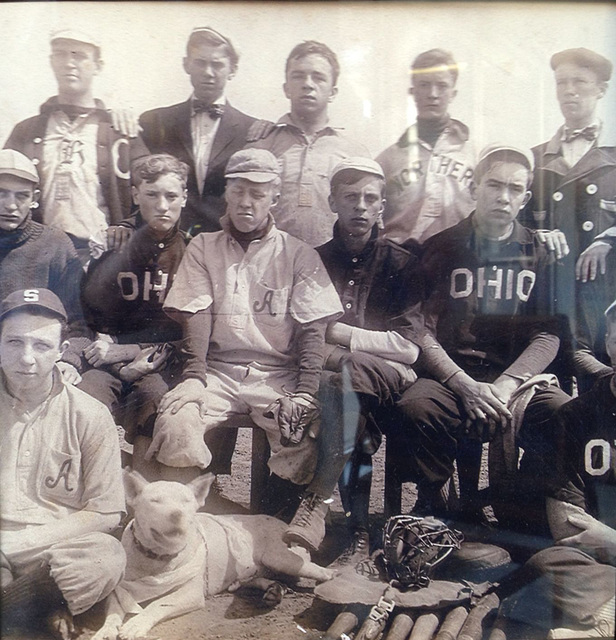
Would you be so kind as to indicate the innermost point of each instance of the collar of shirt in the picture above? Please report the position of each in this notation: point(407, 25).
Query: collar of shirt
point(287, 121)
point(456, 129)
point(519, 234)
point(53, 104)
point(363, 254)
point(225, 223)
point(222, 101)
point(57, 386)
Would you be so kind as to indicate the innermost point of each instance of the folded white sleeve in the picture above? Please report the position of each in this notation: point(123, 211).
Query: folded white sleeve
point(387, 344)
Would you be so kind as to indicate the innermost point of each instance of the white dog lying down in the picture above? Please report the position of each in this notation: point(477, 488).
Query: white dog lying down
point(176, 556)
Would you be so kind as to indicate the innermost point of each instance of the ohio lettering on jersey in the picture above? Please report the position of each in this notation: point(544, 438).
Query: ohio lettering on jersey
point(439, 164)
point(495, 287)
point(153, 285)
point(600, 457)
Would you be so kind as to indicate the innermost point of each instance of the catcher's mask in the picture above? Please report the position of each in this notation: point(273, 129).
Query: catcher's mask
point(413, 546)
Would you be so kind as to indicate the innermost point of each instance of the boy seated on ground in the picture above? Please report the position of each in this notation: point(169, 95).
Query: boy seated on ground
point(572, 584)
point(132, 363)
point(62, 491)
point(253, 303)
point(369, 355)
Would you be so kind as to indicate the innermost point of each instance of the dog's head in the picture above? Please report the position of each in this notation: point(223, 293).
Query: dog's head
point(164, 511)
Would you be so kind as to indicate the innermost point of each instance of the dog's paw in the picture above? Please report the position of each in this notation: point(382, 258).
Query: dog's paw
point(137, 627)
point(108, 632)
point(272, 596)
point(61, 626)
point(323, 574)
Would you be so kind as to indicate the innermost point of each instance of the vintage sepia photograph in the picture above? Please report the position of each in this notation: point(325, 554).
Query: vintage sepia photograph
point(308, 320)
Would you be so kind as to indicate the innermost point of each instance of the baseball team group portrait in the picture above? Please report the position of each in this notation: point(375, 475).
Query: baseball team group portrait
point(310, 307)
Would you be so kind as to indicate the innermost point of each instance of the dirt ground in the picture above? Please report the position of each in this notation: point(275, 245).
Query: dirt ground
point(231, 617)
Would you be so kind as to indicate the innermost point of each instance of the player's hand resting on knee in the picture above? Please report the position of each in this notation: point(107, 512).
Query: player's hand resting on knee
point(482, 401)
point(294, 415)
point(190, 390)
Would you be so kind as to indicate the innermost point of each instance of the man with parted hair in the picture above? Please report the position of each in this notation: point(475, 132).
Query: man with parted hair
point(203, 131)
point(62, 491)
point(430, 168)
point(134, 363)
point(488, 335)
point(84, 164)
point(307, 146)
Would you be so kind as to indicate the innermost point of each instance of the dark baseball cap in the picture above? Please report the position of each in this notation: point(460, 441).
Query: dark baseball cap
point(41, 298)
point(584, 58)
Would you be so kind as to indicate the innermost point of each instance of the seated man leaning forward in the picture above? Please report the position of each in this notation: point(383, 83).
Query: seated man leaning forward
point(132, 365)
point(60, 473)
point(254, 303)
point(369, 355)
point(487, 335)
point(570, 586)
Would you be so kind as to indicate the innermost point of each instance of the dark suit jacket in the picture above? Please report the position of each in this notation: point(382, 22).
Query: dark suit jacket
point(167, 130)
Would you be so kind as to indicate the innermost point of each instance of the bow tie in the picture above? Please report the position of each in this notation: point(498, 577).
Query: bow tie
point(588, 133)
point(215, 111)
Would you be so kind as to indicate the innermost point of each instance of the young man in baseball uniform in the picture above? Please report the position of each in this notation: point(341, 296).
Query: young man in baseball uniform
point(574, 190)
point(307, 146)
point(430, 169)
point(35, 255)
point(62, 491)
point(369, 353)
point(204, 131)
point(571, 585)
point(488, 335)
point(132, 366)
point(254, 303)
point(83, 162)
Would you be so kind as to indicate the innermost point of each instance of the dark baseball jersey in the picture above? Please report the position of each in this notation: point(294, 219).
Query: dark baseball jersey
point(485, 299)
point(584, 473)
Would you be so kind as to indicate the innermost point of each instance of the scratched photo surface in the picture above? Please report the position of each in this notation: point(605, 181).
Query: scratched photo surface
point(505, 93)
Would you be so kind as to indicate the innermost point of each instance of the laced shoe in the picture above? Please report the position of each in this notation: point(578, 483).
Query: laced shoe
point(308, 525)
point(357, 550)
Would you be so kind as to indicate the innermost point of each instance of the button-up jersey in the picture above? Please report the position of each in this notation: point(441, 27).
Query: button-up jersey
point(306, 164)
point(61, 458)
point(427, 188)
point(257, 297)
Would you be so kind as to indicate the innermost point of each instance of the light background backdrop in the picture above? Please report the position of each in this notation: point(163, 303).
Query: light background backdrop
point(505, 89)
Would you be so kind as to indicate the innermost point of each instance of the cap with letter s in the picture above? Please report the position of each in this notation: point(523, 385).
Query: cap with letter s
point(37, 298)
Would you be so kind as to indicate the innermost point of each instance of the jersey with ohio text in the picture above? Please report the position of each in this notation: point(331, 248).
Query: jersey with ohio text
point(584, 473)
point(123, 292)
point(427, 187)
point(485, 299)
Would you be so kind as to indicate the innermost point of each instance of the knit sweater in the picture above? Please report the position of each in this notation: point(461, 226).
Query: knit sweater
point(38, 256)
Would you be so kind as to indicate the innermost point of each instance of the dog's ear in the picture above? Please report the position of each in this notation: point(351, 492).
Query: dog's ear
point(134, 483)
point(201, 487)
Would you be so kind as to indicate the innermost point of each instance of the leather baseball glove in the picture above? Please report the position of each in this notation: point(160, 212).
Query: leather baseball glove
point(294, 414)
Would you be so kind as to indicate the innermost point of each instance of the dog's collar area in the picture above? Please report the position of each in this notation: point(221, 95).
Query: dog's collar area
point(148, 553)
